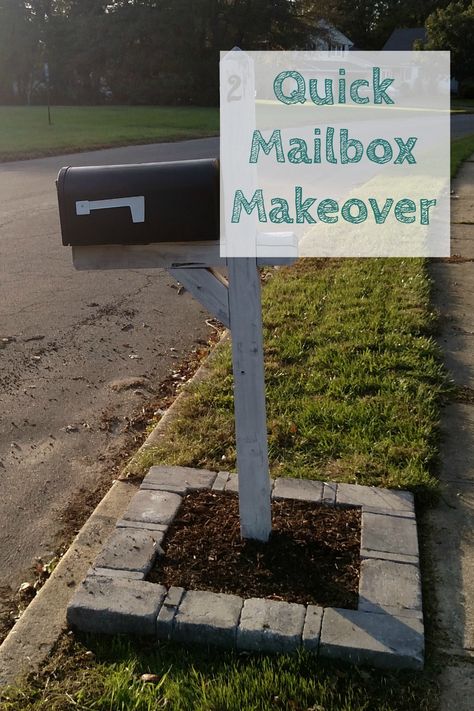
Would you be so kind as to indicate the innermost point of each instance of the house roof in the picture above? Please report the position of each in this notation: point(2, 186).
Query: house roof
point(333, 34)
point(402, 38)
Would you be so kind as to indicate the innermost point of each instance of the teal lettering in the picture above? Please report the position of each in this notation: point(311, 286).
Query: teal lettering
point(302, 208)
point(347, 143)
point(371, 151)
point(403, 206)
point(325, 207)
point(425, 210)
point(297, 96)
point(405, 152)
point(280, 213)
point(381, 216)
point(346, 211)
point(241, 202)
point(330, 157)
point(299, 154)
point(355, 96)
point(258, 142)
point(380, 93)
point(313, 92)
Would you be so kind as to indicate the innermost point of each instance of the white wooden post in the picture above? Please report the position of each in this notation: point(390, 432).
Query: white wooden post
point(239, 246)
point(249, 399)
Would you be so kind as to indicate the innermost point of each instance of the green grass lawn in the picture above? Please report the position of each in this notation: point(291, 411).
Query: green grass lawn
point(25, 133)
point(461, 149)
point(352, 375)
point(462, 105)
point(99, 675)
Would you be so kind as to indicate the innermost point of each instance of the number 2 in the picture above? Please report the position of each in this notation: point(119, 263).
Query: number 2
point(235, 83)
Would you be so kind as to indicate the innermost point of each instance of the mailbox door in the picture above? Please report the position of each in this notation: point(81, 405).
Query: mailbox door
point(139, 204)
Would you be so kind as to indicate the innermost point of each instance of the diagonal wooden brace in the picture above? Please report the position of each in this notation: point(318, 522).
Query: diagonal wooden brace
point(208, 287)
point(237, 304)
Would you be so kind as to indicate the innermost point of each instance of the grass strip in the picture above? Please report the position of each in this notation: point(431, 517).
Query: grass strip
point(25, 133)
point(461, 150)
point(98, 675)
point(353, 380)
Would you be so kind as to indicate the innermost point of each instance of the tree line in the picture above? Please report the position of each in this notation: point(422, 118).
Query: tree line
point(166, 51)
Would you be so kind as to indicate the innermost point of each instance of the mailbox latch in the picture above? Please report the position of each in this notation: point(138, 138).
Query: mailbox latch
point(136, 205)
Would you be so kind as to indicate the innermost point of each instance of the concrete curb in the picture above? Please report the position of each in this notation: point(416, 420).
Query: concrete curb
point(35, 634)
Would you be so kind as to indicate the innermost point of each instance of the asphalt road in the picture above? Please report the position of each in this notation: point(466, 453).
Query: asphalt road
point(462, 125)
point(67, 380)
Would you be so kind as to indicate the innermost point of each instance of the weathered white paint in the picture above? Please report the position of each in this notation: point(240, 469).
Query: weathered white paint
point(207, 288)
point(147, 256)
point(237, 89)
point(249, 398)
point(166, 255)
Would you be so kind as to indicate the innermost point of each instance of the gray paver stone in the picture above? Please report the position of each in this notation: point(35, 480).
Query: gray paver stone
point(357, 495)
point(164, 623)
point(403, 513)
point(130, 549)
point(396, 557)
point(384, 583)
point(398, 612)
point(220, 481)
point(329, 493)
point(390, 534)
point(312, 627)
point(153, 507)
point(179, 479)
point(270, 625)
point(369, 638)
point(206, 617)
point(142, 525)
point(165, 487)
point(116, 606)
point(232, 483)
point(301, 489)
point(111, 573)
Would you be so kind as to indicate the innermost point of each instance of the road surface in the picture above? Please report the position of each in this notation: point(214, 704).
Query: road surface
point(462, 125)
point(78, 351)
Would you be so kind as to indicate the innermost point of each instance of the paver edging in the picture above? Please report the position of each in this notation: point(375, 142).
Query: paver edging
point(254, 624)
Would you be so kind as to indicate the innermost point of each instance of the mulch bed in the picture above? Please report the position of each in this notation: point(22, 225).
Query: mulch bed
point(313, 555)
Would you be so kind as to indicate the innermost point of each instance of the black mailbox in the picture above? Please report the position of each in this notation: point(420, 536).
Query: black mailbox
point(139, 204)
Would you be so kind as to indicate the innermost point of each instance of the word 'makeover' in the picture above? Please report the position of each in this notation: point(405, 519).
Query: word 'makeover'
point(328, 210)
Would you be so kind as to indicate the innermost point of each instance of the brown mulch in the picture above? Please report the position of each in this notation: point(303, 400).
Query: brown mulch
point(313, 555)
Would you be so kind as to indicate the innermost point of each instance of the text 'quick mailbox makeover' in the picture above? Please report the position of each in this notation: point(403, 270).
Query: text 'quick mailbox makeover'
point(139, 204)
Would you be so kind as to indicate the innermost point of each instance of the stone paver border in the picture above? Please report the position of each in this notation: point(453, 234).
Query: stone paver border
point(385, 631)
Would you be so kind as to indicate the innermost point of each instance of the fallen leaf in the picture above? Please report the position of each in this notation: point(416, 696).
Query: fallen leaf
point(150, 678)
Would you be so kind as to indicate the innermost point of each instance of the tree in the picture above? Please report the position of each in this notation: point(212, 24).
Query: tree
point(452, 28)
point(18, 52)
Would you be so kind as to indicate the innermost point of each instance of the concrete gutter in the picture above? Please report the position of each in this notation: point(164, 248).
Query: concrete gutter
point(38, 629)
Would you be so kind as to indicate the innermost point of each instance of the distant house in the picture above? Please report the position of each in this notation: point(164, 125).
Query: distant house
point(329, 39)
point(403, 38)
